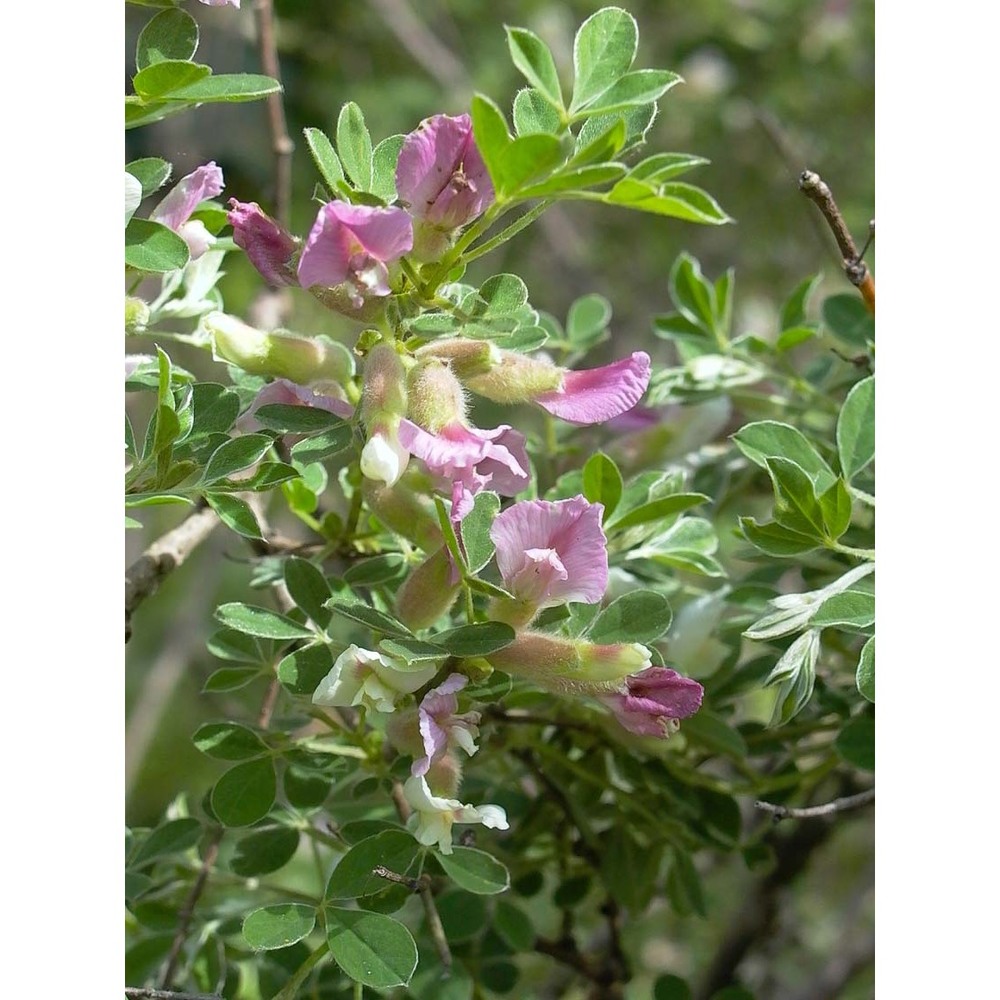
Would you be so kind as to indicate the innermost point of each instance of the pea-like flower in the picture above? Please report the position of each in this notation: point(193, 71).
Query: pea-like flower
point(269, 246)
point(441, 727)
point(351, 245)
point(433, 815)
point(552, 552)
point(176, 209)
point(365, 677)
point(653, 701)
point(440, 173)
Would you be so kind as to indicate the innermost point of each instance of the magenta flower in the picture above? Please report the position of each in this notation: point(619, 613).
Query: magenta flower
point(654, 700)
point(440, 725)
point(597, 394)
point(440, 173)
point(187, 194)
point(353, 244)
point(269, 246)
point(470, 458)
point(552, 552)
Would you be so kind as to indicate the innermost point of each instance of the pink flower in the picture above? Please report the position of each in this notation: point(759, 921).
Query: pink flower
point(471, 458)
point(552, 552)
point(269, 247)
point(440, 173)
point(353, 244)
point(288, 393)
point(440, 726)
point(654, 700)
point(597, 394)
point(187, 194)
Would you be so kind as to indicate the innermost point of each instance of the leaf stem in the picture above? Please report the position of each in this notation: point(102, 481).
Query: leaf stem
point(848, 550)
point(290, 990)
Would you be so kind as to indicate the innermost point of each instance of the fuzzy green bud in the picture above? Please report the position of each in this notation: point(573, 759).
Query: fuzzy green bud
point(411, 515)
point(427, 593)
point(436, 397)
point(384, 391)
point(136, 315)
point(279, 354)
point(466, 357)
point(516, 379)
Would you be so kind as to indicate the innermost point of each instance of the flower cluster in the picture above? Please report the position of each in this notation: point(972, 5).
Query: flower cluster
point(412, 402)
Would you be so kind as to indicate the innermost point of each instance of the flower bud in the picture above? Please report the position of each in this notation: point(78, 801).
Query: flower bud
point(268, 245)
point(436, 397)
point(517, 379)
point(383, 458)
point(466, 357)
point(411, 515)
point(279, 354)
point(570, 666)
point(428, 592)
point(136, 315)
point(384, 390)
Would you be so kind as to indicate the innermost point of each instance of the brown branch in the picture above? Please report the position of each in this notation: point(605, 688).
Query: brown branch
point(434, 924)
point(281, 142)
point(826, 809)
point(168, 552)
point(818, 191)
point(143, 993)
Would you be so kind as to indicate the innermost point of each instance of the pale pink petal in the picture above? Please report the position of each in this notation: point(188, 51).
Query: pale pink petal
point(269, 247)
point(596, 394)
point(289, 394)
point(327, 252)
point(384, 233)
point(440, 173)
point(571, 530)
point(187, 194)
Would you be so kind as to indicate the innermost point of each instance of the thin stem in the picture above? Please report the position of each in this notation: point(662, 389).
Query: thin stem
point(359, 990)
point(290, 990)
point(848, 550)
point(826, 809)
point(505, 234)
point(865, 498)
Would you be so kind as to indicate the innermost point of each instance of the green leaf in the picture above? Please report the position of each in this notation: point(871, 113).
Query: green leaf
point(692, 292)
point(675, 199)
point(793, 312)
point(794, 336)
point(866, 671)
point(166, 78)
point(322, 446)
point(376, 620)
point(376, 571)
point(532, 57)
point(524, 159)
point(503, 295)
point(637, 123)
point(172, 837)
point(463, 915)
point(172, 34)
point(325, 157)
point(393, 849)
point(150, 246)
point(354, 145)
point(856, 743)
point(640, 616)
point(514, 926)
point(236, 454)
point(795, 672)
point(848, 318)
point(302, 669)
point(602, 482)
point(229, 679)
point(475, 529)
point(603, 50)
point(490, 132)
point(415, 653)
point(775, 539)
point(260, 622)
point(308, 588)
point(475, 870)
point(384, 158)
point(629, 869)
point(478, 639)
point(684, 885)
point(712, 731)
point(228, 88)
point(587, 319)
point(641, 86)
point(278, 925)
point(228, 644)
point(245, 793)
point(371, 948)
point(151, 172)
point(534, 113)
point(658, 510)
point(850, 609)
point(601, 148)
point(264, 852)
point(856, 428)
point(215, 408)
point(835, 504)
point(671, 987)
point(662, 167)
point(296, 419)
point(573, 181)
point(228, 741)
point(771, 439)
point(796, 504)
point(235, 514)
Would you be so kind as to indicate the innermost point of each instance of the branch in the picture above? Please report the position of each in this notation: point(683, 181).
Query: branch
point(423, 45)
point(168, 552)
point(143, 993)
point(281, 142)
point(826, 809)
point(816, 190)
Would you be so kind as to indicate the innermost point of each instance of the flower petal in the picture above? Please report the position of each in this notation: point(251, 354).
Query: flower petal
point(596, 394)
point(269, 247)
point(187, 194)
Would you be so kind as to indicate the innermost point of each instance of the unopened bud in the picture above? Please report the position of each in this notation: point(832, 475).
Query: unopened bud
point(411, 515)
point(428, 592)
point(136, 315)
point(517, 379)
point(384, 390)
point(383, 457)
point(279, 354)
point(466, 357)
point(436, 397)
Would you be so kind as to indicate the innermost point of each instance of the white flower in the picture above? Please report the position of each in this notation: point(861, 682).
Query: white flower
point(383, 457)
point(364, 677)
point(434, 815)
